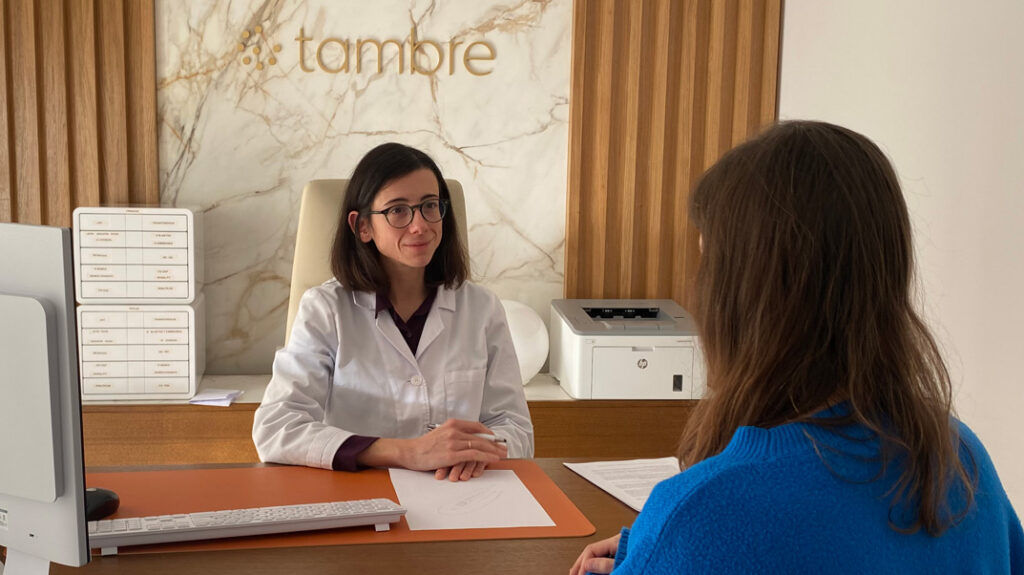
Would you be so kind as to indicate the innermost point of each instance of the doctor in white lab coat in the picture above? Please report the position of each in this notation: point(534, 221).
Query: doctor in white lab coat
point(397, 342)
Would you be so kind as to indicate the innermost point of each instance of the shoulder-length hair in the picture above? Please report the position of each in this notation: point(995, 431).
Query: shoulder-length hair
point(356, 264)
point(804, 298)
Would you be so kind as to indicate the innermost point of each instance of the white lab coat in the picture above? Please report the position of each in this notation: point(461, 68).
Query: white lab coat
point(345, 371)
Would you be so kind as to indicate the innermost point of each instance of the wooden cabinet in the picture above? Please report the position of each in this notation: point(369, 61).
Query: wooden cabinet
point(601, 428)
point(162, 434)
point(116, 435)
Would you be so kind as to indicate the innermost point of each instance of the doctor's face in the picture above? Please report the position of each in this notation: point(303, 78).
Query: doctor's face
point(412, 246)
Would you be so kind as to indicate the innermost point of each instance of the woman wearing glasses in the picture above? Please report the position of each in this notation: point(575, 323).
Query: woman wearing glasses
point(398, 361)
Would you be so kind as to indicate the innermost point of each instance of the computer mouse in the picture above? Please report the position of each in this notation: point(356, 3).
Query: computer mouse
point(100, 503)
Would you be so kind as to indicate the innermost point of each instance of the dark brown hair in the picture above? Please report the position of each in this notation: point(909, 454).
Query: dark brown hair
point(804, 299)
point(356, 264)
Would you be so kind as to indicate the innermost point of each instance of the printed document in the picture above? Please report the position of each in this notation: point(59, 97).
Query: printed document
point(495, 499)
point(216, 397)
point(629, 481)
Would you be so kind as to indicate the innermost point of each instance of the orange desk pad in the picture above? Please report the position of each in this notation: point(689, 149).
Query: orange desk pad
point(145, 493)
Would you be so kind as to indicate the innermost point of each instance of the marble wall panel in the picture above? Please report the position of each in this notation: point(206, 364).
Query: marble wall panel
point(238, 139)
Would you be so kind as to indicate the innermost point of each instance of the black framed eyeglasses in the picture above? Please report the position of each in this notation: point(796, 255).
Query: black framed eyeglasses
point(400, 216)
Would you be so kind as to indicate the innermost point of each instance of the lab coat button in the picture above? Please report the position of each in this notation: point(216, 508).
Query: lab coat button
point(416, 380)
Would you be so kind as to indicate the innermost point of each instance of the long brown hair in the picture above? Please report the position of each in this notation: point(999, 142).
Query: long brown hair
point(804, 299)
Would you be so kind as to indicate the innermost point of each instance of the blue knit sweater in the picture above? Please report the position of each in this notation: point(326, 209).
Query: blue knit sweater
point(768, 504)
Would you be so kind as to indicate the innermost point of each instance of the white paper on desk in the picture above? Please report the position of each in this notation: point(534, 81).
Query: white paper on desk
point(216, 397)
point(628, 481)
point(495, 499)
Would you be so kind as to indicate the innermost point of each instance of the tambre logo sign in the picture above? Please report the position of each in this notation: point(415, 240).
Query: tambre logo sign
point(334, 55)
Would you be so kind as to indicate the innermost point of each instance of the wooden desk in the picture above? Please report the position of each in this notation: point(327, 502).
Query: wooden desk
point(450, 558)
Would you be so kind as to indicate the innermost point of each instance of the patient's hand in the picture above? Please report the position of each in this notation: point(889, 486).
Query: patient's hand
point(597, 557)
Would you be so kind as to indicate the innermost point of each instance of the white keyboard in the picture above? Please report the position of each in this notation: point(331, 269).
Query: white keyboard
point(108, 534)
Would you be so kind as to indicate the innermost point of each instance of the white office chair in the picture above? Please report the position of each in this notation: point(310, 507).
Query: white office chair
point(318, 220)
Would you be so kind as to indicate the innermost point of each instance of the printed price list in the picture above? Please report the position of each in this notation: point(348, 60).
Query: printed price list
point(134, 351)
point(143, 256)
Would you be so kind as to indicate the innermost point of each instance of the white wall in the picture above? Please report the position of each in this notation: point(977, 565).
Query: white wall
point(939, 85)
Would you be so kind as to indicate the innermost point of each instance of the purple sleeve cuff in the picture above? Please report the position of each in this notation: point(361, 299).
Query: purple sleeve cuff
point(345, 456)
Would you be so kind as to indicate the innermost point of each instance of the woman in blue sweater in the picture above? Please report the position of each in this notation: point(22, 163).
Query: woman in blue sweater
point(826, 442)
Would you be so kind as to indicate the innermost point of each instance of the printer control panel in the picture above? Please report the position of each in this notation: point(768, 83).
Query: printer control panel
point(622, 312)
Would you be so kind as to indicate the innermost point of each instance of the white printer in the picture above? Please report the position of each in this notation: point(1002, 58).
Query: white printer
point(625, 349)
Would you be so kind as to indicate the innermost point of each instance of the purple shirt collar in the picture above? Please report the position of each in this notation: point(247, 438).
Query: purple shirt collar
point(412, 328)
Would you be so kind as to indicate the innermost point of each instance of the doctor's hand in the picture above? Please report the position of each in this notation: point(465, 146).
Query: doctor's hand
point(451, 450)
point(460, 454)
point(597, 557)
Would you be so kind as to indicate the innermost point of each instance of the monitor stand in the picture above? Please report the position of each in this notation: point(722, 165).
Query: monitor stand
point(19, 563)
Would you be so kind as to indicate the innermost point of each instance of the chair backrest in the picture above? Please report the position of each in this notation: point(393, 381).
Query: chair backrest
point(318, 220)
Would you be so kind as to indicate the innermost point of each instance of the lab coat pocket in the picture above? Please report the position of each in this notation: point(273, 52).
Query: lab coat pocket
point(464, 392)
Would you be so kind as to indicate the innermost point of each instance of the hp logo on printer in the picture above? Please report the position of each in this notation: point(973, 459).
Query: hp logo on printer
point(642, 363)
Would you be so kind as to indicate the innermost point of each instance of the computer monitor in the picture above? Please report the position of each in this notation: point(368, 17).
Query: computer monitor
point(42, 478)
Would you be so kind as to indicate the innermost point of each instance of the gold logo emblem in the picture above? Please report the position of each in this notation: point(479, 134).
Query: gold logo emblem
point(252, 47)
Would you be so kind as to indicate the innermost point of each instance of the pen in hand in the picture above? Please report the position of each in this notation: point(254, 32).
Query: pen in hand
point(488, 436)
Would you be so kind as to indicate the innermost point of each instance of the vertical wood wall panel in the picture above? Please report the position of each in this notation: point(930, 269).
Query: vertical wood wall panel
point(714, 82)
point(55, 115)
point(140, 24)
point(25, 99)
point(599, 139)
point(682, 261)
point(83, 122)
point(111, 78)
point(579, 76)
point(771, 61)
point(78, 117)
point(660, 90)
point(629, 139)
point(656, 207)
point(6, 164)
point(745, 75)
